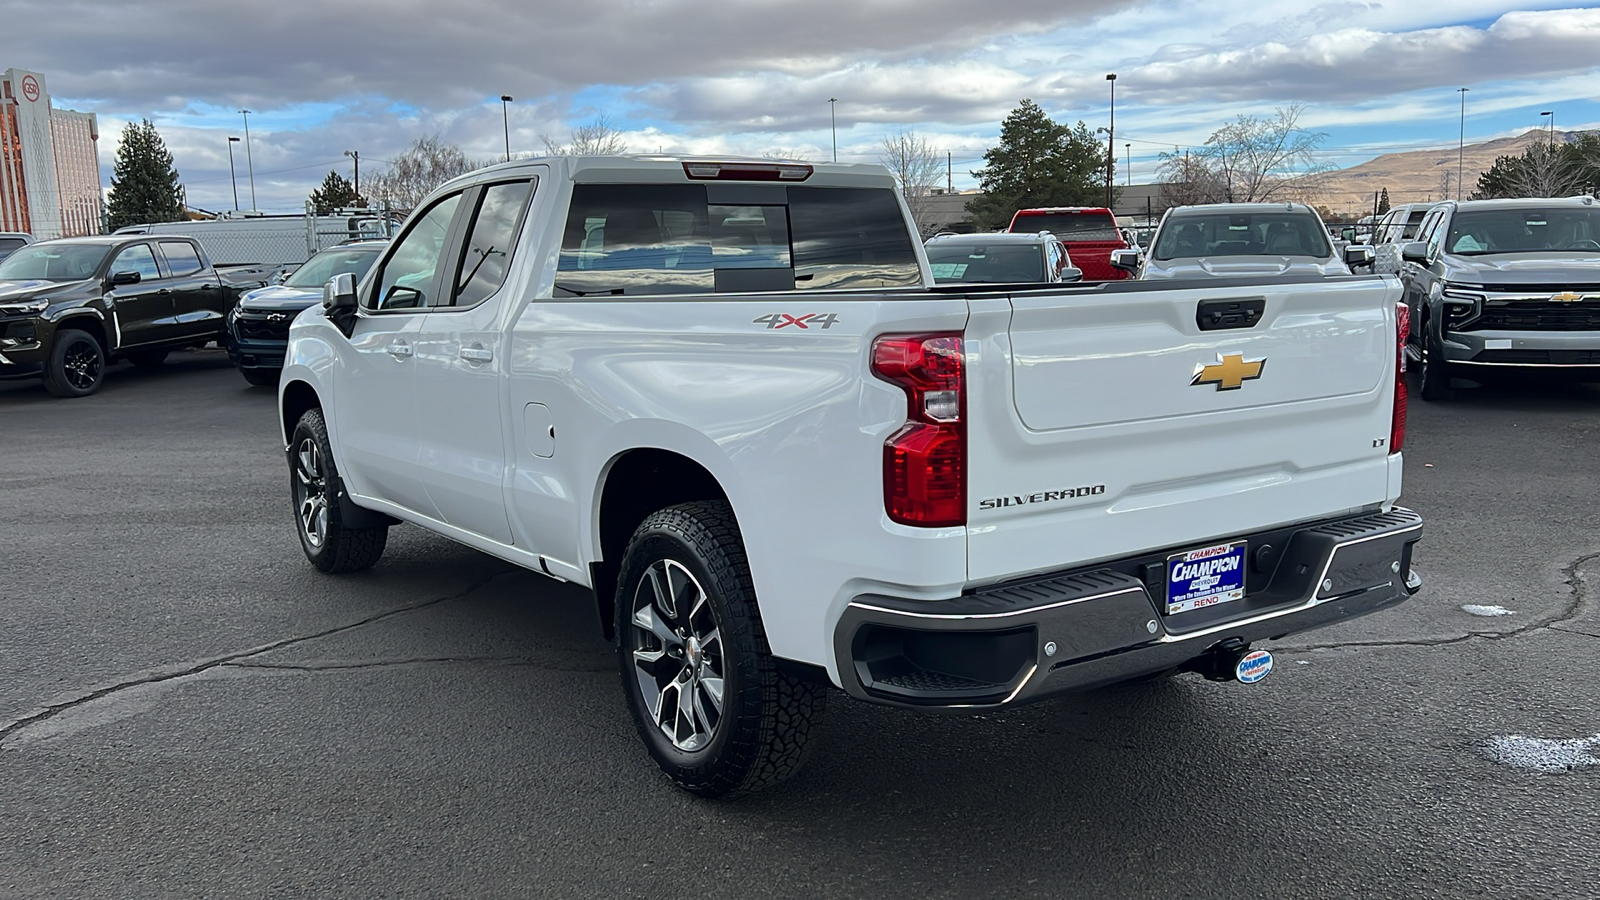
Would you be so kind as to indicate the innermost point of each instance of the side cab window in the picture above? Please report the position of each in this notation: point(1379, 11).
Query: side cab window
point(491, 238)
point(181, 257)
point(409, 275)
point(1432, 231)
point(137, 258)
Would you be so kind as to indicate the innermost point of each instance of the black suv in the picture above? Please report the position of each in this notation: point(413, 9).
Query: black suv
point(1505, 284)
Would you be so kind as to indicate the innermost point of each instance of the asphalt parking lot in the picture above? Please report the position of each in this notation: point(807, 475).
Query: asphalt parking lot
point(188, 710)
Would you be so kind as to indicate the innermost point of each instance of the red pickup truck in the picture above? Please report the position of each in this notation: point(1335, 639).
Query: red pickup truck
point(1089, 233)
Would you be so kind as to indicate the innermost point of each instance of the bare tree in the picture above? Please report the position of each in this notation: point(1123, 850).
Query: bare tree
point(429, 162)
point(598, 138)
point(1248, 160)
point(1547, 170)
point(915, 164)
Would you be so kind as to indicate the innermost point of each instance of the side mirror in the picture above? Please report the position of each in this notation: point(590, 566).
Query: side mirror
point(118, 278)
point(1126, 260)
point(1071, 274)
point(1359, 255)
point(1415, 252)
point(339, 302)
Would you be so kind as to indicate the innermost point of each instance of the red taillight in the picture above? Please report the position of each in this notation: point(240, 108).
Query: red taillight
point(1397, 426)
point(925, 461)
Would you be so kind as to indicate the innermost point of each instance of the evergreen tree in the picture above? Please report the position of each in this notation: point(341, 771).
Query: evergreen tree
point(1039, 162)
point(335, 192)
point(1383, 202)
point(144, 185)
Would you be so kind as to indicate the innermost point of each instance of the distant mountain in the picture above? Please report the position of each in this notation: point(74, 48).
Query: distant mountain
point(1418, 175)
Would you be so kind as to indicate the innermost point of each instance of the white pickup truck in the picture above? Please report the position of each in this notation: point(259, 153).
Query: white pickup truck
point(725, 396)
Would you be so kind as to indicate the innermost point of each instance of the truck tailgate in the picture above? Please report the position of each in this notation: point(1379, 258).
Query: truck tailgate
point(1108, 422)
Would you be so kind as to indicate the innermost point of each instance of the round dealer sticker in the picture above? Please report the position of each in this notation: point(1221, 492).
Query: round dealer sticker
point(1253, 667)
point(30, 88)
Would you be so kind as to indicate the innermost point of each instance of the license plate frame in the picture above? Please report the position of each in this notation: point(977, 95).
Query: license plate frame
point(1194, 581)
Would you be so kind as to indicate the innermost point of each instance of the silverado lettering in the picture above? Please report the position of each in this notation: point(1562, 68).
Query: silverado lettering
point(1041, 497)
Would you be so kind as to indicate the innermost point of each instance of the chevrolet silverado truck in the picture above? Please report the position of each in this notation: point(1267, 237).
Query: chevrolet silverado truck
point(728, 397)
point(69, 307)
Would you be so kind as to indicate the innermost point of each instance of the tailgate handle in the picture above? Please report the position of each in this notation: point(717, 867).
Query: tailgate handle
point(1215, 315)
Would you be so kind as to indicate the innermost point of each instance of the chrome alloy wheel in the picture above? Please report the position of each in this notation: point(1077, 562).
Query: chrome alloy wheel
point(311, 492)
point(678, 655)
point(82, 364)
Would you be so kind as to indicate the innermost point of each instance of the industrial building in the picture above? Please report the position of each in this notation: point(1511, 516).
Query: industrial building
point(49, 162)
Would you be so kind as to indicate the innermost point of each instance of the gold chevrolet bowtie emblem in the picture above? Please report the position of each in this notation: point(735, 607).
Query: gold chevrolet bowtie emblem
point(1565, 297)
point(1228, 373)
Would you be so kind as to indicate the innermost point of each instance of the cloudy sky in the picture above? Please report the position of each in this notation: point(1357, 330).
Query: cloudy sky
point(755, 76)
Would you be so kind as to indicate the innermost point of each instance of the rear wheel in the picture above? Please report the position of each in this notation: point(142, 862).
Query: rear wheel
point(713, 709)
point(314, 484)
point(76, 365)
point(147, 358)
point(1435, 372)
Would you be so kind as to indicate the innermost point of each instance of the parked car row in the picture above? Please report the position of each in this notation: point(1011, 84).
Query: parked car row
point(71, 306)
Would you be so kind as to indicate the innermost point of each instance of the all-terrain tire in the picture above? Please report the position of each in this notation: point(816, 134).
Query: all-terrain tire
point(315, 488)
point(76, 365)
point(762, 732)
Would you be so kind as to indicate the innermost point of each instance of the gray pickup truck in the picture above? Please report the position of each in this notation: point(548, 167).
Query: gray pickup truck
point(1504, 286)
point(69, 307)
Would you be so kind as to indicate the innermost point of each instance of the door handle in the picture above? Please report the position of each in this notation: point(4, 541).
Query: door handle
point(163, 292)
point(476, 354)
point(398, 349)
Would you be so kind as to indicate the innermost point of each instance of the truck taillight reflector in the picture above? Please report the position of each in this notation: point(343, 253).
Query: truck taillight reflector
point(925, 460)
point(1397, 426)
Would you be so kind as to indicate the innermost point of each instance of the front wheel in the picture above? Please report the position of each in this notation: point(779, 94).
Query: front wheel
point(314, 483)
point(76, 365)
point(1435, 374)
point(715, 712)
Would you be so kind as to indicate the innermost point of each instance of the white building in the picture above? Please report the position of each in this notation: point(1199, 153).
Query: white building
point(49, 162)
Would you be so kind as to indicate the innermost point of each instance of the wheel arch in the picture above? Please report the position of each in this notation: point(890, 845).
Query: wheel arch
point(295, 400)
point(90, 324)
point(633, 484)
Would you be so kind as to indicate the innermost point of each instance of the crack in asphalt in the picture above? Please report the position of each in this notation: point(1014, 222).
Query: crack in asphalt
point(1575, 607)
point(185, 670)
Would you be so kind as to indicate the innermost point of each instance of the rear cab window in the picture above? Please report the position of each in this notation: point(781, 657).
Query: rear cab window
point(633, 239)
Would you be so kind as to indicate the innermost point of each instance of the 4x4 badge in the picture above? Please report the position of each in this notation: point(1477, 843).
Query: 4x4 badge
point(1228, 373)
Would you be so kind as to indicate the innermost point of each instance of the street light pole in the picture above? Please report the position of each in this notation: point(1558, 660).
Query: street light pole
point(356, 188)
point(505, 121)
point(1129, 149)
point(1461, 147)
point(232, 175)
point(833, 124)
point(1111, 137)
point(248, 160)
point(1552, 114)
